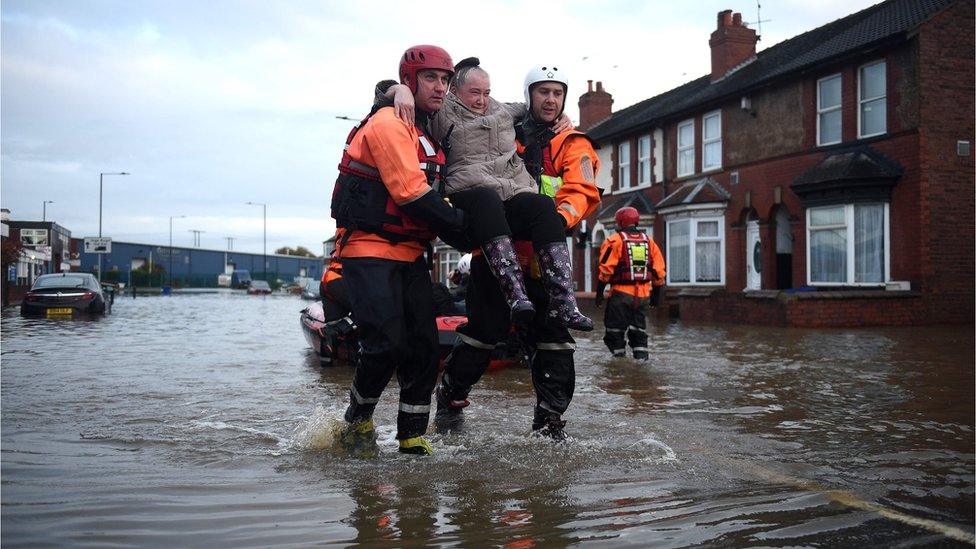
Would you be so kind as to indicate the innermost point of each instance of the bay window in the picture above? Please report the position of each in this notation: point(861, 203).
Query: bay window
point(847, 244)
point(696, 251)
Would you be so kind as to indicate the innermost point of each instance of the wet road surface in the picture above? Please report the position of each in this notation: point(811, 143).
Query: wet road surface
point(204, 420)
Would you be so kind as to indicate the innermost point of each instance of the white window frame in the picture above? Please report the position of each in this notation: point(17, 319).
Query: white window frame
point(35, 237)
point(448, 260)
point(658, 147)
point(693, 239)
point(709, 141)
point(820, 112)
point(644, 160)
point(848, 226)
point(862, 101)
point(623, 168)
point(682, 148)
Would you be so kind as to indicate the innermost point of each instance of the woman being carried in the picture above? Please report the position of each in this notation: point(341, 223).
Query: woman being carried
point(487, 179)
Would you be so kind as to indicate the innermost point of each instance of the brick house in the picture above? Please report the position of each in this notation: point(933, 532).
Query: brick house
point(827, 180)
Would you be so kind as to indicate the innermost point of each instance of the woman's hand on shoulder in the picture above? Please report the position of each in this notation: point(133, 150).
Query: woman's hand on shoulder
point(403, 103)
point(562, 124)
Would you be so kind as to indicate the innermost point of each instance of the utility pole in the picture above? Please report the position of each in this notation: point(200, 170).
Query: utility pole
point(169, 275)
point(100, 176)
point(264, 265)
point(196, 237)
point(230, 243)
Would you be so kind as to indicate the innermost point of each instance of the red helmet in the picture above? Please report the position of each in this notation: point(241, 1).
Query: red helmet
point(418, 58)
point(626, 217)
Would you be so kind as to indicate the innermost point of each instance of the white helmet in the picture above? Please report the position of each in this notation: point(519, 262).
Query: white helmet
point(543, 73)
point(464, 264)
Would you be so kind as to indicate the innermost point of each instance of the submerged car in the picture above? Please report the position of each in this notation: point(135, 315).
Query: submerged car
point(66, 294)
point(258, 287)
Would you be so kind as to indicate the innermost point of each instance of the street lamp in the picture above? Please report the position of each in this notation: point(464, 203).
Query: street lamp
point(44, 214)
point(264, 264)
point(169, 274)
point(100, 176)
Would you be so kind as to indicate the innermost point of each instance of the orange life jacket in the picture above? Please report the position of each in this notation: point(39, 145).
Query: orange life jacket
point(361, 202)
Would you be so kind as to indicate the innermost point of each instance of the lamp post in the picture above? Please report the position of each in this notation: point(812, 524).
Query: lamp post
point(264, 259)
point(100, 177)
point(44, 214)
point(169, 274)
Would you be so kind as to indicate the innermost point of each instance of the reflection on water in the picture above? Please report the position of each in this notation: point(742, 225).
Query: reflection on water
point(204, 420)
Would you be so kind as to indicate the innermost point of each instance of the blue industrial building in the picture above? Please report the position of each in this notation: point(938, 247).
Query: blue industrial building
point(191, 267)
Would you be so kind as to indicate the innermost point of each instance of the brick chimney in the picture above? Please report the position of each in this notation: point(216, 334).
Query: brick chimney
point(732, 43)
point(594, 106)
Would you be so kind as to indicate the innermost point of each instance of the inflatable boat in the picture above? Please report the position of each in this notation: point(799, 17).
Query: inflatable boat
point(335, 341)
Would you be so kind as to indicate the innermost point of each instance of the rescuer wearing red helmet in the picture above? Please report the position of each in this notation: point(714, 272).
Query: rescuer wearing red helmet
point(386, 203)
point(631, 263)
point(564, 167)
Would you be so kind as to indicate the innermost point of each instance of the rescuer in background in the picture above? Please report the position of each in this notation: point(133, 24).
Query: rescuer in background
point(632, 264)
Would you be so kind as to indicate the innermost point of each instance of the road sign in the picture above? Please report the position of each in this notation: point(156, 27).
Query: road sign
point(98, 244)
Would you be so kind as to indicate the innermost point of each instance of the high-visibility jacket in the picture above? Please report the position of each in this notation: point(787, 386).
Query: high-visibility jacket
point(568, 174)
point(395, 150)
point(616, 256)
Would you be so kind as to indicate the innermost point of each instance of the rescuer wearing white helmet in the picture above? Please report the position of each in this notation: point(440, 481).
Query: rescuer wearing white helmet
point(564, 166)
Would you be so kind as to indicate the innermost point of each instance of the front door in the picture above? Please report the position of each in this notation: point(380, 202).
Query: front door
point(753, 257)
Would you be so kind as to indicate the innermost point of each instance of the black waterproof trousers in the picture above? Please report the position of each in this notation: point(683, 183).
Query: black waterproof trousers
point(528, 216)
point(551, 346)
point(393, 306)
point(625, 320)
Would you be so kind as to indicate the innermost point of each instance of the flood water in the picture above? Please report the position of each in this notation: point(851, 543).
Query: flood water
point(204, 420)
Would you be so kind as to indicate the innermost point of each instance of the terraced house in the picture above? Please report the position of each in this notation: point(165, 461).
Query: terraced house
point(827, 180)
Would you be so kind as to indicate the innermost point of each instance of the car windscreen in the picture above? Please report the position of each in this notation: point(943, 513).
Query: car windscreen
point(61, 282)
point(260, 284)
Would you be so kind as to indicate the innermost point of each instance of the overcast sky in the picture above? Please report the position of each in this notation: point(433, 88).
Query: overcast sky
point(213, 104)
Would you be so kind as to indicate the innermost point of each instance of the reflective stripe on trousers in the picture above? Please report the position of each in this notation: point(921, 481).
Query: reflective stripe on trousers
point(359, 398)
point(415, 408)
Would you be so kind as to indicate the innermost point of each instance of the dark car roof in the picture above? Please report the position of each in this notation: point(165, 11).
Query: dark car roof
point(70, 280)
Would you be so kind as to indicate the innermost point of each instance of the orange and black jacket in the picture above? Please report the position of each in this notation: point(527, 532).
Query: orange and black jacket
point(390, 146)
point(612, 254)
point(567, 173)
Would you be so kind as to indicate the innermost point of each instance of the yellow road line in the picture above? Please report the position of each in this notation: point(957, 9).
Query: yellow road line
point(847, 498)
